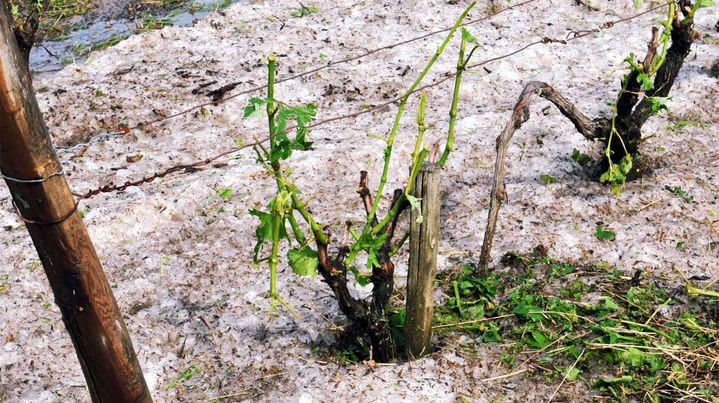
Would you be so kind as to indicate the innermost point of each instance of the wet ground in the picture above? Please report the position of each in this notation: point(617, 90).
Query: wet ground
point(110, 22)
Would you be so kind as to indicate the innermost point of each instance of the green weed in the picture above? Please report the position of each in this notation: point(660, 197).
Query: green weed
point(225, 193)
point(628, 339)
point(681, 193)
point(52, 14)
point(87, 48)
point(186, 374)
point(150, 22)
point(604, 234)
point(547, 179)
point(303, 11)
point(677, 124)
point(220, 5)
point(4, 286)
point(580, 158)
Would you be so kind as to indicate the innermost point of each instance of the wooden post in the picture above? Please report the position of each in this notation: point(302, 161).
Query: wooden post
point(423, 245)
point(43, 199)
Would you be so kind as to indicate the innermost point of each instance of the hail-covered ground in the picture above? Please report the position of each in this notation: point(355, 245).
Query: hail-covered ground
point(178, 251)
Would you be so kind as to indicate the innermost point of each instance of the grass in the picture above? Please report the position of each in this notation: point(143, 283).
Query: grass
point(678, 124)
point(627, 337)
point(54, 26)
point(85, 48)
point(4, 286)
point(303, 11)
point(186, 374)
point(192, 7)
point(53, 22)
point(150, 22)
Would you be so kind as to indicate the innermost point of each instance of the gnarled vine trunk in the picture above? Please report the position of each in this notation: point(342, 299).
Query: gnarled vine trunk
point(631, 114)
point(369, 317)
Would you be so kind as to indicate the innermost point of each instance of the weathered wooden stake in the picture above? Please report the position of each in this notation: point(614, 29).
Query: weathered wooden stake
point(423, 245)
point(42, 197)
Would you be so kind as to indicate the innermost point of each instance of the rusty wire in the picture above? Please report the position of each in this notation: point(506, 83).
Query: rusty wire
point(325, 66)
point(573, 35)
point(109, 135)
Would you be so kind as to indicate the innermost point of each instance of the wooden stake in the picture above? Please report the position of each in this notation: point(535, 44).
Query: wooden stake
point(42, 197)
point(423, 245)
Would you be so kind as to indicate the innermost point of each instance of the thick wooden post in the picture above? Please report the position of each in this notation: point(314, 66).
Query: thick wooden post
point(423, 244)
point(42, 197)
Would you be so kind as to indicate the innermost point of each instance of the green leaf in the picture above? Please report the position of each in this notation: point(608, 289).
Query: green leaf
point(283, 144)
point(658, 103)
point(304, 261)
point(225, 193)
point(186, 374)
point(469, 38)
point(476, 312)
point(538, 339)
point(655, 363)
point(684, 123)
point(636, 359)
point(254, 108)
point(561, 270)
point(616, 175)
point(678, 191)
point(282, 149)
point(371, 246)
point(606, 176)
point(415, 204)
point(362, 278)
point(263, 232)
point(604, 234)
point(398, 319)
point(580, 158)
point(466, 287)
point(491, 334)
point(632, 357)
point(299, 143)
point(281, 119)
point(703, 3)
point(632, 63)
point(572, 374)
point(528, 311)
point(608, 304)
point(303, 11)
point(625, 165)
point(486, 287)
point(547, 179)
point(304, 114)
point(645, 81)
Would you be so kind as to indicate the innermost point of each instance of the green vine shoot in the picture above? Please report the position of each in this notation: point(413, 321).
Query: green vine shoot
point(646, 86)
point(376, 239)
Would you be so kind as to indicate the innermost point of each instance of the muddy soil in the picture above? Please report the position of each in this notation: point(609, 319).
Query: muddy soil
point(107, 21)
